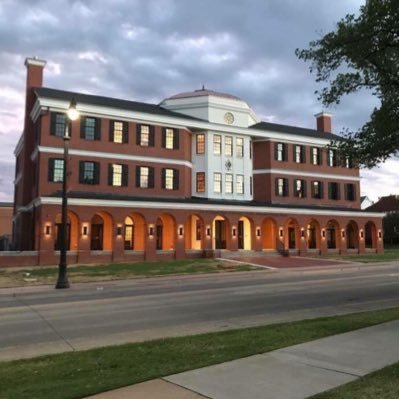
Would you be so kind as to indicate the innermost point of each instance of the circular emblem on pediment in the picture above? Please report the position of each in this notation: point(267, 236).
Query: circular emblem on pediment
point(229, 118)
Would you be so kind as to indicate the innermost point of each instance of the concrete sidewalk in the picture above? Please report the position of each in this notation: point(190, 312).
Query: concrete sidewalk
point(295, 372)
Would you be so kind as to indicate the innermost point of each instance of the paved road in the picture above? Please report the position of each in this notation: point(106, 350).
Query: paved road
point(42, 320)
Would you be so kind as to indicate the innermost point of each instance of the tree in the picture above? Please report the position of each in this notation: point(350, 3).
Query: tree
point(363, 53)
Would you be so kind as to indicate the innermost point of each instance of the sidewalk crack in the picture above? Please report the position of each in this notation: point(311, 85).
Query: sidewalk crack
point(331, 369)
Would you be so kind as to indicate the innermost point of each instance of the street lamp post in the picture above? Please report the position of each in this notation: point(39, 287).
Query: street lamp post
point(62, 282)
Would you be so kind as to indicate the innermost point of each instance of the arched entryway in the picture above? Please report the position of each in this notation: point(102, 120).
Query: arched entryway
point(72, 231)
point(166, 232)
point(352, 235)
point(313, 235)
point(269, 234)
point(219, 232)
point(244, 233)
point(291, 234)
point(332, 235)
point(370, 235)
point(101, 232)
point(194, 230)
point(134, 234)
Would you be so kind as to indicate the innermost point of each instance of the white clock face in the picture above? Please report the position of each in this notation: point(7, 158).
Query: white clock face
point(229, 118)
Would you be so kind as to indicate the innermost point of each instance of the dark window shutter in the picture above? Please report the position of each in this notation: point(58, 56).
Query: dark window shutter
point(125, 175)
point(338, 191)
point(98, 129)
point(285, 152)
point(96, 173)
point(125, 133)
point(52, 123)
point(286, 188)
point(81, 171)
point(151, 140)
point(151, 177)
point(163, 137)
point(82, 127)
point(110, 174)
point(138, 134)
point(111, 131)
point(304, 188)
point(137, 176)
point(329, 190)
point(303, 154)
point(354, 192)
point(321, 187)
point(320, 156)
point(276, 186)
point(176, 139)
point(163, 178)
point(346, 190)
point(175, 179)
point(294, 153)
point(51, 169)
point(276, 151)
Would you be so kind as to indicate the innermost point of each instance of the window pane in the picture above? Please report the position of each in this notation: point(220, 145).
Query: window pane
point(88, 173)
point(217, 182)
point(59, 125)
point(298, 153)
point(145, 135)
point(200, 144)
point(240, 147)
point(169, 139)
point(58, 171)
point(116, 175)
point(240, 184)
point(144, 173)
point(200, 182)
point(280, 151)
point(90, 129)
point(228, 146)
point(217, 144)
point(169, 179)
point(118, 132)
point(229, 183)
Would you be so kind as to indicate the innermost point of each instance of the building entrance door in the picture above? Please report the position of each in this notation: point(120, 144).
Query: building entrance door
point(220, 234)
point(291, 237)
point(240, 234)
point(97, 232)
point(57, 246)
point(159, 236)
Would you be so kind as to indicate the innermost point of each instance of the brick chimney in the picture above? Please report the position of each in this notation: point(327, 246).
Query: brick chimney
point(323, 120)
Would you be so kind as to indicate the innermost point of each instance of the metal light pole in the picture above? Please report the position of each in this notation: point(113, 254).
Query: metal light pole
point(62, 282)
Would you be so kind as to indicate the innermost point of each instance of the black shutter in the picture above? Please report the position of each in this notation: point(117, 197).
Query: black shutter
point(125, 175)
point(346, 190)
point(151, 139)
point(276, 151)
point(286, 188)
point(125, 132)
point(110, 174)
point(176, 139)
point(321, 188)
point(329, 190)
point(150, 177)
point(138, 134)
point(111, 131)
point(98, 129)
point(51, 169)
point(82, 127)
point(163, 137)
point(137, 176)
point(96, 173)
point(175, 179)
point(304, 188)
point(163, 178)
point(81, 171)
point(320, 156)
point(52, 123)
point(338, 191)
point(285, 152)
point(303, 154)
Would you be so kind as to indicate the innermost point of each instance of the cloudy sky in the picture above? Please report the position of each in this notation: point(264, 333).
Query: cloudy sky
point(146, 50)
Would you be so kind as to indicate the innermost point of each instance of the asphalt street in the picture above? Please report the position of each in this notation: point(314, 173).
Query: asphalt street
point(41, 320)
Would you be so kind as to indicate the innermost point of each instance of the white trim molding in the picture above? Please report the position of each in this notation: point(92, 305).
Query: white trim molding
point(288, 172)
point(194, 207)
point(112, 155)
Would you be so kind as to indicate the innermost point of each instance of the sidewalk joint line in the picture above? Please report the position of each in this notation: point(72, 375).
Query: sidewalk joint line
point(247, 263)
point(330, 369)
point(182, 386)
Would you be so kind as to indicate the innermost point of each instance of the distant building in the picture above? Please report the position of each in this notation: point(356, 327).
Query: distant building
point(387, 204)
point(365, 202)
point(185, 178)
point(6, 211)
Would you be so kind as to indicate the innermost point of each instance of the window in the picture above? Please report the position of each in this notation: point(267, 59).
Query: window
point(240, 184)
point(316, 156)
point(170, 179)
point(240, 147)
point(281, 187)
point(299, 188)
point(228, 146)
point(348, 162)
point(89, 172)
point(299, 154)
point(118, 132)
point(170, 138)
point(145, 135)
point(333, 191)
point(55, 170)
point(144, 177)
point(200, 182)
point(57, 124)
point(217, 144)
point(280, 152)
point(217, 182)
point(117, 175)
point(229, 183)
point(90, 128)
point(200, 143)
point(332, 157)
point(250, 185)
point(350, 192)
point(317, 189)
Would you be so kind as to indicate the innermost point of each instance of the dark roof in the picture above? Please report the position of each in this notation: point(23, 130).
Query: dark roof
point(109, 102)
point(301, 131)
point(6, 204)
point(194, 200)
point(202, 93)
point(389, 203)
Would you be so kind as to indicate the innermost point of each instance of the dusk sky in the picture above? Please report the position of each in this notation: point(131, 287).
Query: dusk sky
point(146, 50)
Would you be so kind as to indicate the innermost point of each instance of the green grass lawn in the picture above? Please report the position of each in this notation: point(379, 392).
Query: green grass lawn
point(85, 273)
point(80, 374)
point(383, 384)
point(388, 256)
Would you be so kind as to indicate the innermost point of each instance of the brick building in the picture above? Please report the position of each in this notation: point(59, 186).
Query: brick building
point(196, 173)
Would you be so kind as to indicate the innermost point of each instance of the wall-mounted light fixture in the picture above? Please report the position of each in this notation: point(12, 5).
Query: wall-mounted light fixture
point(258, 232)
point(323, 233)
point(47, 230)
point(181, 231)
point(361, 234)
point(379, 234)
point(234, 231)
point(118, 230)
point(85, 230)
point(343, 233)
point(281, 232)
point(151, 231)
point(302, 232)
point(208, 231)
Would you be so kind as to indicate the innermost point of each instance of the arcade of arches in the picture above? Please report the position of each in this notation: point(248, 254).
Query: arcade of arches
point(148, 234)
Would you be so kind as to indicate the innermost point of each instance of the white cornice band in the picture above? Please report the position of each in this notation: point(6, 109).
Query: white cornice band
point(110, 155)
point(289, 172)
